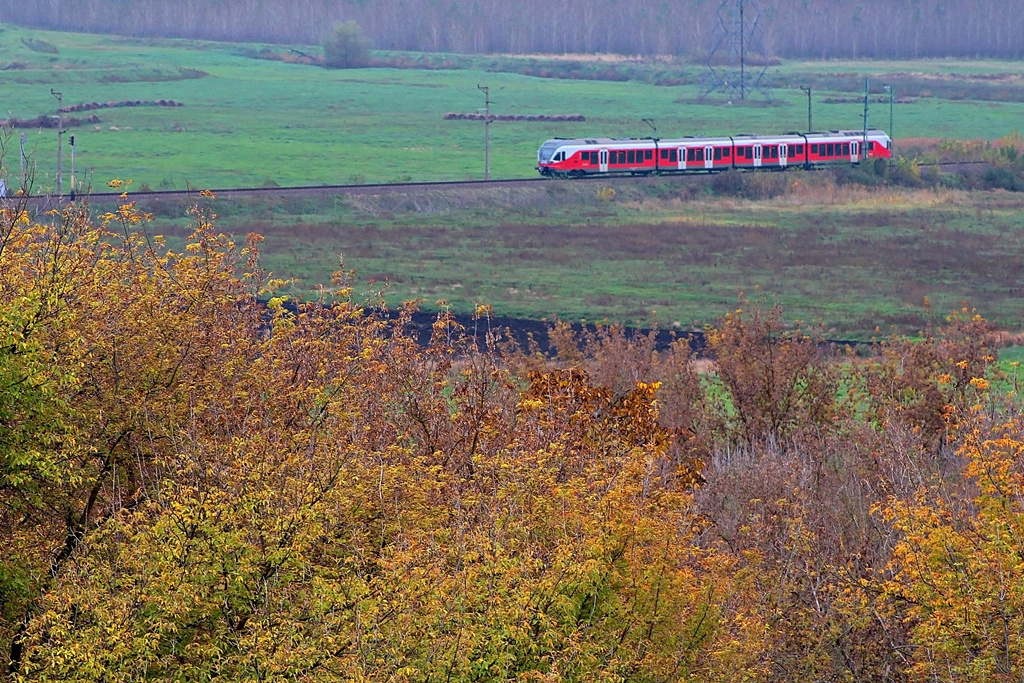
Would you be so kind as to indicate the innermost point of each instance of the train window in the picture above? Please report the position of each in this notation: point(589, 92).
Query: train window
point(631, 156)
point(672, 155)
point(846, 149)
point(726, 153)
point(718, 153)
point(814, 148)
point(622, 157)
point(648, 154)
point(584, 156)
point(700, 155)
point(798, 149)
point(664, 154)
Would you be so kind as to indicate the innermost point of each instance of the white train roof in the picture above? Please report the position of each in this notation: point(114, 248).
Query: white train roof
point(743, 138)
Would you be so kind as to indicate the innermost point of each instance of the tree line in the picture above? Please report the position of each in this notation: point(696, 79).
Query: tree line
point(200, 479)
point(798, 29)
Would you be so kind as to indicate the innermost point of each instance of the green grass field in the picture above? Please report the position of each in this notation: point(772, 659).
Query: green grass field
point(253, 122)
point(667, 250)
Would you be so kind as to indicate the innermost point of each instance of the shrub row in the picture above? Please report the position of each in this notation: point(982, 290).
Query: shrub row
point(454, 116)
point(48, 121)
point(89, 106)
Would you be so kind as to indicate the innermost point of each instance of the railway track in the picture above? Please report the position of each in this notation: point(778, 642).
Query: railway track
point(51, 201)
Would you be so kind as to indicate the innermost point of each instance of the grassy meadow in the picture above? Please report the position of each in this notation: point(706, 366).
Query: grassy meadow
point(673, 251)
point(250, 121)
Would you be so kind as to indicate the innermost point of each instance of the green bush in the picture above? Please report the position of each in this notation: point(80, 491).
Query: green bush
point(750, 185)
point(1003, 178)
point(347, 47)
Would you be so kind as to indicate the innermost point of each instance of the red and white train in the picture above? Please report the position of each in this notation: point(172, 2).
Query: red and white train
point(645, 156)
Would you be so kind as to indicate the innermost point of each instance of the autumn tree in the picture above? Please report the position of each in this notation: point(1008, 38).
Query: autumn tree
point(955, 575)
point(777, 380)
point(920, 383)
point(95, 388)
point(302, 491)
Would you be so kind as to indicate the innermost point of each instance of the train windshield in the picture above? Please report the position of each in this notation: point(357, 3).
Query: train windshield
point(547, 150)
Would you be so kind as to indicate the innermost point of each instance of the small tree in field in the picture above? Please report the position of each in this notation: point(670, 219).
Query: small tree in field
point(346, 47)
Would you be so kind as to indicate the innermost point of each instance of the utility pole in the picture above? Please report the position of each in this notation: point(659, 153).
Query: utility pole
point(810, 121)
point(60, 134)
point(892, 139)
point(864, 144)
point(73, 187)
point(487, 130)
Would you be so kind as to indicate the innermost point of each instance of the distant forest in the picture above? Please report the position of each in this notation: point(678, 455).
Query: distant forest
point(688, 28)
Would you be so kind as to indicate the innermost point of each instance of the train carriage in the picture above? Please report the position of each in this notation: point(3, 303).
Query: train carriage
point(574, 158)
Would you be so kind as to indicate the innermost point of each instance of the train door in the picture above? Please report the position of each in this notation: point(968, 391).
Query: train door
point(757, 156)
point(709, 162)
point(783, 155)
point(854, 151)
point(603, 158)
point(682, 158)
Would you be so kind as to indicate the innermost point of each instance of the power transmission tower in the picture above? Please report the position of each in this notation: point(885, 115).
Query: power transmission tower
point(737, 36)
